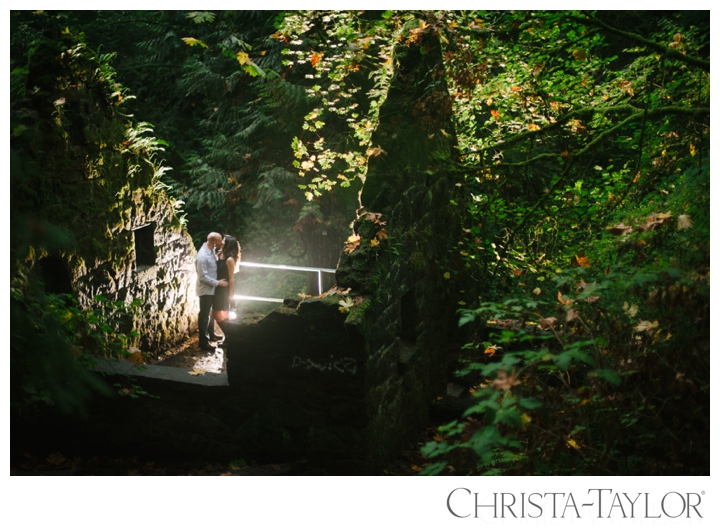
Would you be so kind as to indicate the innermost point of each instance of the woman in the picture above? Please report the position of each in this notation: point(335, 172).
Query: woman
point(224, 296)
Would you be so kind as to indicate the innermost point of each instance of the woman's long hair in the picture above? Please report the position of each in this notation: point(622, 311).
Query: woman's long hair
point(231, 248)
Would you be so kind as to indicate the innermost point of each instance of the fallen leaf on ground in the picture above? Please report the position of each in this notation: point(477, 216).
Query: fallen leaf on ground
point(196, 372)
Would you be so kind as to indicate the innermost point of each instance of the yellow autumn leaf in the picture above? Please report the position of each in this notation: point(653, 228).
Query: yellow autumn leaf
point(374, 242)
point(630, 310)
point(533, 126)
point(196, 372)
point(190, 41)
point(573, 444)
point(526, 419)
point(692, 150)
point(242, 57)
point(446, 275)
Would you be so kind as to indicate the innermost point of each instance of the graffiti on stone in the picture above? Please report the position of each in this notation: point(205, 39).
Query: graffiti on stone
point(342, 365)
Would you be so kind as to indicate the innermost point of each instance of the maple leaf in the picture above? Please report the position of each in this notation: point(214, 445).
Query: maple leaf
point(630, 310)
point(446, 275)
point(345, 305)
point(375, 217)
point(536, 291)
point(505, 382)
point(646, 326)
point(375, 151)
point(315, 58)
point(374, 242)
point(533, 127)
point(382, 234)
point(491, 350)
point(196, 372)
point(684, 222)
point(582, 261)
point(242, 57)
point(352, 243)
point(495, 114)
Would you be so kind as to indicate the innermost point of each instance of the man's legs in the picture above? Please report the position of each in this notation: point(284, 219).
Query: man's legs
point(204, 320)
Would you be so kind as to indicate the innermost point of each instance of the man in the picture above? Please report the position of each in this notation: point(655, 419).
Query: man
point(206, 266)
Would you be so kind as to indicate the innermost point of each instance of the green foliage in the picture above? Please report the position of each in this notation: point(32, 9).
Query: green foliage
point(585, 153)
point(53, 344)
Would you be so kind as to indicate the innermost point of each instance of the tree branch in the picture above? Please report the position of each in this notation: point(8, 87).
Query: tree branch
point(660, 48)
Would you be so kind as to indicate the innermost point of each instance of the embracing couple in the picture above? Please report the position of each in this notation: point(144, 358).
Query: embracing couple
point(215, 284)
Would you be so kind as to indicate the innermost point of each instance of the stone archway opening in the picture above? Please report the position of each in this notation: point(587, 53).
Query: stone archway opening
point(55, 275)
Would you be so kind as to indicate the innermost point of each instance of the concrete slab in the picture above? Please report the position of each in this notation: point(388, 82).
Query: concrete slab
point(112, 366)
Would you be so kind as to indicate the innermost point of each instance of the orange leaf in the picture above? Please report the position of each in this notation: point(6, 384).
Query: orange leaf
point(561, 299)
point(490, 351)
point(582, 261)
point(315, 59)
point(495, 114)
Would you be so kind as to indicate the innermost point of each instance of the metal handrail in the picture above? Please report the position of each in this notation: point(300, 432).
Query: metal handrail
point(319, 271)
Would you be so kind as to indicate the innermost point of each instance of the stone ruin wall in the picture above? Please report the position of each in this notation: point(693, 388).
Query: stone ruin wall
point(77, 165)
point(169, 307)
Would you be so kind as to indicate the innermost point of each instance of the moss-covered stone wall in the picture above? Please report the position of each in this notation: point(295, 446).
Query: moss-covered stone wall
point(407, 227)
point(80, 167)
